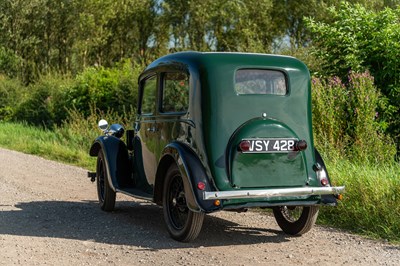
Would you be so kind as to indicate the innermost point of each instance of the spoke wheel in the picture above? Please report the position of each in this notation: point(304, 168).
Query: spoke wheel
point(182, 223)
point(296, 220)
point(105, 193)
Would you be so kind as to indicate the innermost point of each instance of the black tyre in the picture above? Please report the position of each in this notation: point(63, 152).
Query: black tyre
point(104, 192)
point(296, 220)
point(183, 224)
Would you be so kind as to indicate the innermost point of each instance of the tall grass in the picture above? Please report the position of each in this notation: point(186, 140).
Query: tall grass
point(45, 143)
point(371, 204)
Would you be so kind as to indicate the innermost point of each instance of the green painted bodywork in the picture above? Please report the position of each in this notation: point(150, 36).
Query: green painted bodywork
point(218, 118)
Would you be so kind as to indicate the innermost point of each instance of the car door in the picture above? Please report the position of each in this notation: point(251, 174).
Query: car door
point(146, 141)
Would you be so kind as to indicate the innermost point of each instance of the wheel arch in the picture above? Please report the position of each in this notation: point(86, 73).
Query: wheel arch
point(192, 172)
point(166, 161)
point(95, 148)
point(116, 159)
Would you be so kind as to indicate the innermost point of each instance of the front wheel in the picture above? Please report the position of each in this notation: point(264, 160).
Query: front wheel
point(182, 223)
point(104, 191)
point(296, 220)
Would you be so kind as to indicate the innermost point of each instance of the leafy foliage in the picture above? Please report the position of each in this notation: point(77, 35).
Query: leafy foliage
point(8, 62)
point(48, 101)
point(92, 38)
point(42, 103)
point(10, 93)
point(345, 119)
point(359, 39)
point(107, 89)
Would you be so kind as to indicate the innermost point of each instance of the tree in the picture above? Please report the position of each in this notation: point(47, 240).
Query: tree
point(219, 25)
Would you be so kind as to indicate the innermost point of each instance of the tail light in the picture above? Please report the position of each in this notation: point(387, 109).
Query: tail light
point(300, 145)
point(244, 145)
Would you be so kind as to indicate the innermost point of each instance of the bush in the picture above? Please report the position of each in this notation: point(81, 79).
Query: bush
point(329, 100)
point(9, 62)
point(361, 39)
point(42, 104)
point(107, 89)
point(11, 91)
point(345, 119)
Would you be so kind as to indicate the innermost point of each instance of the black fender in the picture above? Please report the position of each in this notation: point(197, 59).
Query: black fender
point(116, 160)
point(192, 172)
point(320, 161)
point(326, 199)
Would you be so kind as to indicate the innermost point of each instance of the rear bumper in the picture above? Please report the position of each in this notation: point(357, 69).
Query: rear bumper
point(272, 193)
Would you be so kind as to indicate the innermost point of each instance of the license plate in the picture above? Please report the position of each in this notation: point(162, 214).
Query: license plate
point(270, 145)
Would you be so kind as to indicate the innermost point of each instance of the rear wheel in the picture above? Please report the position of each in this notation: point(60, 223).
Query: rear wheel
point(104, 191)
point(182, 223)
point(296, 220)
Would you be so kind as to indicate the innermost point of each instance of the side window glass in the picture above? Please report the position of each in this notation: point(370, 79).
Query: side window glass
point(149, 95)
point(175, 93)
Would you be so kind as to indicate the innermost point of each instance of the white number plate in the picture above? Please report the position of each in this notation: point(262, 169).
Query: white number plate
point(270, 145)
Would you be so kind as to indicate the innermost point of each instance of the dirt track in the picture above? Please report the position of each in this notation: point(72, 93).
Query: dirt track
point(49, 215)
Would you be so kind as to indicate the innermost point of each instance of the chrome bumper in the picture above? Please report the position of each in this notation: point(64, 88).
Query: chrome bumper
point(272, 193)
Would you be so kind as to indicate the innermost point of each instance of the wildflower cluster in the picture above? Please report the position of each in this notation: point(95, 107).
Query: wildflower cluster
point(346, 120)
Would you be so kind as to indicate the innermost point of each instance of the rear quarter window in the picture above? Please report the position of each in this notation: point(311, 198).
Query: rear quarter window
point(260, 81)
point(175, 93)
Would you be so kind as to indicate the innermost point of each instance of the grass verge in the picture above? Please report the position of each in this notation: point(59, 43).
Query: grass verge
point(55, 145)
point(371, 204)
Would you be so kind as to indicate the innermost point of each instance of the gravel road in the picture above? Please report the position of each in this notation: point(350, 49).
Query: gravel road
point(49, 216)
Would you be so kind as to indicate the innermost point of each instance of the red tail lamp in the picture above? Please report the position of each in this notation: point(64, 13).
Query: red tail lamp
point(244, 145)
point(300, 145)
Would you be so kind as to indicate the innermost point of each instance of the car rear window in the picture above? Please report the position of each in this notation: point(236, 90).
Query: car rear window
point(260, 81)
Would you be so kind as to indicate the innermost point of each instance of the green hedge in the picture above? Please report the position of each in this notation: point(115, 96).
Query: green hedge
point(48, 101)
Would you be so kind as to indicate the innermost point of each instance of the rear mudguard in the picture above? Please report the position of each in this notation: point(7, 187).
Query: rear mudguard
point(192, 172)
point(116, 160)
point(325, 199)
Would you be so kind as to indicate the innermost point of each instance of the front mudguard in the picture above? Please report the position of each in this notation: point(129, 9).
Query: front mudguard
point(116, 160)
point(192, 172)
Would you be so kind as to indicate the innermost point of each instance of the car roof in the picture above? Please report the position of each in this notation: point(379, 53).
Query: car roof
point(211, 62)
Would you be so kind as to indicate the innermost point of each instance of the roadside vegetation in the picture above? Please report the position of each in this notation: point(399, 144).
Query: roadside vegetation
point(62, 70)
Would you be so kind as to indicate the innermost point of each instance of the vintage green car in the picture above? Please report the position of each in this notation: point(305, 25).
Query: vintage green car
point(218, 131)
